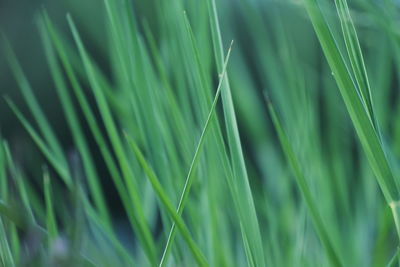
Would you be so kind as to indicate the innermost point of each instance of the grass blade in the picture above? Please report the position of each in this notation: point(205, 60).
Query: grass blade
point(34, 106)
point(51, 223)
point(190, 176)
point(356, 57)
point(61, 169)
point(240, 186)
point(167, 204)
point(74, 125)
point(394, 261)
point(142, 227)
point(368, 136)
point(93, 125)
point(323, 233)
point(6, 257)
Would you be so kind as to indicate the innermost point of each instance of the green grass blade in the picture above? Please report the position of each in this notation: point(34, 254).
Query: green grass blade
point(74, 125)
point(33, 104)
point(109, 233)
point(10, 213)
point(20, 184)
point(6, 257)
point(85, 106)
point(356, 57)
point(190, 175)
point(321, 229)
point(3, 172)
point(61, 169)
point(51, 223)
point(142, 227)
point(90, 118)
point(5, 196)
point(167, 204)
point(241, 190)
point(394, 261)
point(363, 125)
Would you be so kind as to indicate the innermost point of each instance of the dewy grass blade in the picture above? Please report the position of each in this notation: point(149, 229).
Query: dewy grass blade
point(142, 227)
point(167, 204)
point(241, 191)
point(190, 175)
point(322, 231)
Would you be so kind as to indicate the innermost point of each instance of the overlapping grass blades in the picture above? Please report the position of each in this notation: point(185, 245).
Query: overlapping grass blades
point(152, 75)
point(239, 184)
point(193, 164)
point(52, 149)
point(166, 202)
point(141, 225)
point(356, 58)
point(322, 230)
point(358, 100)
point(74, 125)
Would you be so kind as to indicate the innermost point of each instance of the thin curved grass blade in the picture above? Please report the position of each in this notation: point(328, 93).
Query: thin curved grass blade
point(190, 176)
point(167, 203)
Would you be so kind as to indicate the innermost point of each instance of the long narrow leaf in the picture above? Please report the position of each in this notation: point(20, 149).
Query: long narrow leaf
point(190, 175)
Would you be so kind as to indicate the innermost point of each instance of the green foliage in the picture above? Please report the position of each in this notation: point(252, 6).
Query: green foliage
point(240, 181)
